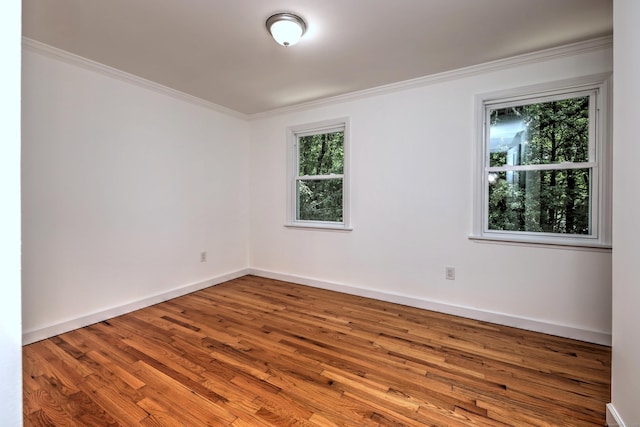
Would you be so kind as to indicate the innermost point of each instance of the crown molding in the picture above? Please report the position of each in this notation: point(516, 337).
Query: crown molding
point(501, 64)
point(592, 45)
point(73, 59)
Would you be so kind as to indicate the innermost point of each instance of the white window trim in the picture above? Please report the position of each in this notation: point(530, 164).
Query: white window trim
point(600, 162)
point(293, 132)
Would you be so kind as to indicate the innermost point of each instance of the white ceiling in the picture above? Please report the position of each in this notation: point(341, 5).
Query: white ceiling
point(221, 51)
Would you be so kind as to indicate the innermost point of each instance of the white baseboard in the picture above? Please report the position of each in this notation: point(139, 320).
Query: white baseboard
point(34, 335)
point(613, 418)
point(472, 313)
point(38, 334)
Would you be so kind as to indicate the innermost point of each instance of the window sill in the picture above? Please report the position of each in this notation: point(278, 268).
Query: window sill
point(543, 243)
point(321, 226)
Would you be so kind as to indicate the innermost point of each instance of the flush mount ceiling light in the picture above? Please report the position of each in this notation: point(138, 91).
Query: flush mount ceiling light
point(286, 28)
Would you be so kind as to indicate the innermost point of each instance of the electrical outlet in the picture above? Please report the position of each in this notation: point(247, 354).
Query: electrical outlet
point(203, 257)
point(450, 273)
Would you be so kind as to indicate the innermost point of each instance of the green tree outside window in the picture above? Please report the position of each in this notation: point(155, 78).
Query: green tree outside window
point(553, 195)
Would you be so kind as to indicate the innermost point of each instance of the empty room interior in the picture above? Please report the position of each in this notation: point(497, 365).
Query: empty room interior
point(393, 213)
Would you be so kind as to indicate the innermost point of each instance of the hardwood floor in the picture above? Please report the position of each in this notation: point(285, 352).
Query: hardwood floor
point(258, 352)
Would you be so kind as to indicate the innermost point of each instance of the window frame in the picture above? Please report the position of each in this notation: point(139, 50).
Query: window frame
point(293, 170)
point(599, 88)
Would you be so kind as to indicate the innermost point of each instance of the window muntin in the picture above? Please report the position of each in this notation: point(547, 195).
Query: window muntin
point(318, 182)
point(543, 174)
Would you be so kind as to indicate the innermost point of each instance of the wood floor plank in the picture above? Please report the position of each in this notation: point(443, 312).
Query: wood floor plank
point(116, 400)
point(50, 413)
point(197, 406)
point(159, 416)
point(262, 352)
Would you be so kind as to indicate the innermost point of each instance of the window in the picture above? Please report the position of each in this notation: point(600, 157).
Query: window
point(318, 179)
point(543, 171)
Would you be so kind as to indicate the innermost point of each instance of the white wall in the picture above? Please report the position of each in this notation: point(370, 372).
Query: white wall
point(625, 387)
point(10, 327)
point(123, 187)
point(411, 210)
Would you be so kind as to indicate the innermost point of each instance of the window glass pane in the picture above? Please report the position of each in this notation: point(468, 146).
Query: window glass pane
point(542, 133)
point(321, 154)
point(551, 201)
point(320, 200)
